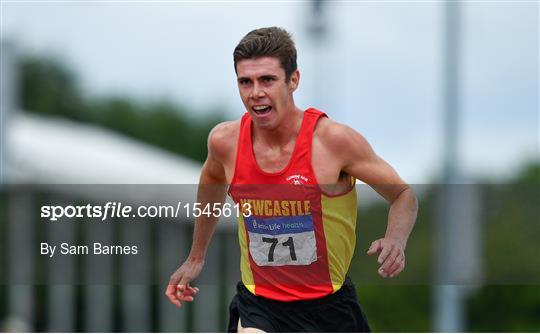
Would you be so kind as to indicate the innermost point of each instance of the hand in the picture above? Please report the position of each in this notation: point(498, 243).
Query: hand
point(179, 289)
point(392, 257)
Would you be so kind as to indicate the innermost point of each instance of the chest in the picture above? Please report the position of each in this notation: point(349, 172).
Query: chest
point(273, 160)
point(326, 167)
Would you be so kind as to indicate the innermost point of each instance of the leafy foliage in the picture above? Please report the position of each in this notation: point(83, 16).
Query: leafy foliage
point(509, 300)
point(49, 88)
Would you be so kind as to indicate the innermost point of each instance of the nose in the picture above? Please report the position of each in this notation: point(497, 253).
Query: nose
point(257, 91)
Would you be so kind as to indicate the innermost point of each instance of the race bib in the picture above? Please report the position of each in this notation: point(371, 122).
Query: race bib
point(279, 241)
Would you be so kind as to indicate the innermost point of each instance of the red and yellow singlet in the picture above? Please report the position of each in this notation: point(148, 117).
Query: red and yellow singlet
point(297, 242)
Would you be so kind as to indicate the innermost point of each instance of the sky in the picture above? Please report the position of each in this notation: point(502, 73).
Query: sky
point(379, 70)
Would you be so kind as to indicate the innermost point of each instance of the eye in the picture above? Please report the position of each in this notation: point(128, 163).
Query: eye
point(243, 82)
point(267, 79)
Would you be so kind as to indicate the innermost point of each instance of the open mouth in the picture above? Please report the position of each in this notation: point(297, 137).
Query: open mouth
point(261, 110)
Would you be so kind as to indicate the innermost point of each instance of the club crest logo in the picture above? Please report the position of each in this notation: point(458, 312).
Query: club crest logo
point(297, 179)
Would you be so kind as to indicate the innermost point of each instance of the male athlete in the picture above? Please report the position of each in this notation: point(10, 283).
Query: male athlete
point(293, 173)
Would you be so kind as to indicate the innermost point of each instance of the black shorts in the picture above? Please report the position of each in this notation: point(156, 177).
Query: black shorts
point(338, 312)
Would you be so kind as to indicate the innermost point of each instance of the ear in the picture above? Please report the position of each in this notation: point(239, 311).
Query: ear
point(294, 81)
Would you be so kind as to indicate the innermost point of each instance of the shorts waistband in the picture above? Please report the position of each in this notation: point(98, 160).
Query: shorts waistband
point(346, 289)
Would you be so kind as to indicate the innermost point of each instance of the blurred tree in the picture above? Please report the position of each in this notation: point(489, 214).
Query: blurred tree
point(505, 308)
point(510, 299)
point(513, 223)
point(48, 87)
point(529, 174)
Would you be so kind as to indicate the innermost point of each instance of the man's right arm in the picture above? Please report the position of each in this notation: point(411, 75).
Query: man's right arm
point(212, 189)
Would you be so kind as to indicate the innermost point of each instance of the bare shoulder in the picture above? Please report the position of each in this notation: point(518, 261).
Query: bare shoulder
point(340, 138)
point(223, 138)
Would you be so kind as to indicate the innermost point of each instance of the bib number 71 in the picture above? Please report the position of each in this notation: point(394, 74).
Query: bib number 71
point(274, 241)
point(295, 249)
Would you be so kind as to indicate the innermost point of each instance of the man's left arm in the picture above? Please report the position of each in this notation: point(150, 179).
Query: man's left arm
point(360, 161)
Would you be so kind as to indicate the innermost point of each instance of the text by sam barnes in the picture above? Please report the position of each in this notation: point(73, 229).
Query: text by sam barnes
point(96, 249)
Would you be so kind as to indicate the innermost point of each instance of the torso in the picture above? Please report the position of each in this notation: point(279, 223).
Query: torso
point(311, 228)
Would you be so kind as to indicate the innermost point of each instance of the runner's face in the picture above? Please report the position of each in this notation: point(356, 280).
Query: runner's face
point(264, 92)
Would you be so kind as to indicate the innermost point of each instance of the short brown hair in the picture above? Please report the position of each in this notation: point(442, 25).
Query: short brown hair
point(268, 42)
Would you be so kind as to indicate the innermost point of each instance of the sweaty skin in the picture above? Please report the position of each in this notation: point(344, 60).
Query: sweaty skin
point(338, 151)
